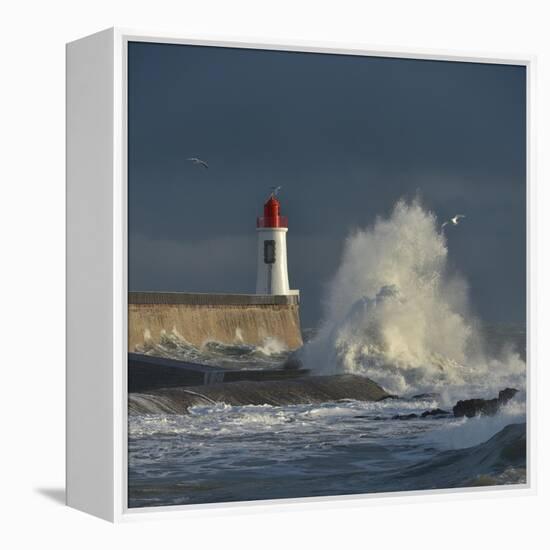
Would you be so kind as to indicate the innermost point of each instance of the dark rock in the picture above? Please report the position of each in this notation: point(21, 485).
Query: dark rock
point(404, 416)
point(505, 395)
point(390, 396)
point(473, 407)
point(484, 407)
point(435, 412)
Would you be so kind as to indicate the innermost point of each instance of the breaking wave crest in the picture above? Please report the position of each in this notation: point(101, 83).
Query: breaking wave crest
point(395, 313)
point(269, 353)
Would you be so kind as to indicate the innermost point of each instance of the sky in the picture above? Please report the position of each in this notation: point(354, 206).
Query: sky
point(346, 137)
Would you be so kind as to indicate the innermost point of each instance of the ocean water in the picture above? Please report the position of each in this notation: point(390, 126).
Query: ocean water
point(395, 313)
point(223, 453)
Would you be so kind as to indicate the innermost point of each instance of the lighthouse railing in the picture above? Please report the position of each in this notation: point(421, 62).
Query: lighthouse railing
point(272, 221)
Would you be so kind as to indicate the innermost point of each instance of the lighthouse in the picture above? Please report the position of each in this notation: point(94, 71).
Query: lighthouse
point(272, 272)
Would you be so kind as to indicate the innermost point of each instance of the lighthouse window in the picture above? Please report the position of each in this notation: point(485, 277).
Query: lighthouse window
point(269, 252)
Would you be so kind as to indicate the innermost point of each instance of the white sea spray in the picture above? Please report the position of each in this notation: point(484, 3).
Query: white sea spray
point(396, 313)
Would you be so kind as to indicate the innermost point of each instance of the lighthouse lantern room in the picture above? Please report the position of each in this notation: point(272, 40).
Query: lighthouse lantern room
point(272, 264)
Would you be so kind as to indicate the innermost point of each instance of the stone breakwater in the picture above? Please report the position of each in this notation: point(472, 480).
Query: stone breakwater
point(227, 318)
point(310, 389)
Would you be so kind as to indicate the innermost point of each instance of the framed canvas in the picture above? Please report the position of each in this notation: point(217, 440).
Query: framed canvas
point(305, 271)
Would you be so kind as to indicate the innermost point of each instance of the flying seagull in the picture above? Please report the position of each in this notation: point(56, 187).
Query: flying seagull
point(454, 221)
point(198, 162)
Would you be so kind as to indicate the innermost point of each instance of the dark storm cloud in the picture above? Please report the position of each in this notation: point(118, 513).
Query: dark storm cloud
point(346, 137)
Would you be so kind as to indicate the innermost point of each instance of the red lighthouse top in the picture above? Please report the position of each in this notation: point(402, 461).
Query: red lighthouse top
point(272, 217)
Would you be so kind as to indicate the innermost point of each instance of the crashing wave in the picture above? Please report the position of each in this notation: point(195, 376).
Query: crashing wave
point(269, 353)
point(395, 313)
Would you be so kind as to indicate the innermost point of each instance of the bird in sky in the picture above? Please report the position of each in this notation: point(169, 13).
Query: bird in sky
point(198, 162)
point(453, 221)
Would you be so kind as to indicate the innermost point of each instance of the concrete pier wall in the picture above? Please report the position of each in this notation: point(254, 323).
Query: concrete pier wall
point(226, 318)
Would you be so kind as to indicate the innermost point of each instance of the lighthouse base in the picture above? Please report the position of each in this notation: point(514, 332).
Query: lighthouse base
point(225, 318)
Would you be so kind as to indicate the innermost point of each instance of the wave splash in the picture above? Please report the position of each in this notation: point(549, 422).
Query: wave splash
point(395, 313)
point(270, 353)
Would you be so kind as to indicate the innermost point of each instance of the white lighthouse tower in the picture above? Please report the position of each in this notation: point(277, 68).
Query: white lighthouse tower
point(272, 265)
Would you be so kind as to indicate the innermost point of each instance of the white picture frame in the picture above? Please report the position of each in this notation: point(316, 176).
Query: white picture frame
point(96, 428)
